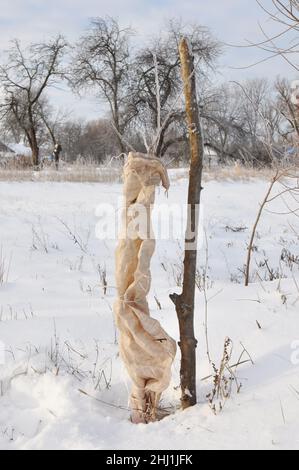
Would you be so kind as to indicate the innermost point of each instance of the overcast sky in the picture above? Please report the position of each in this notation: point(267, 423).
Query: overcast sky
point(231, 21)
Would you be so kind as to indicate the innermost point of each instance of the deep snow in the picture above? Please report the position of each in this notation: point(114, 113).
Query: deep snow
point(57, 334)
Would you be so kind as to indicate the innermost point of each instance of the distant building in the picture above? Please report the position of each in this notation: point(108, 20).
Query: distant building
point(4, 149)
point(20, 150)
point(13, 152)
point(6, 153)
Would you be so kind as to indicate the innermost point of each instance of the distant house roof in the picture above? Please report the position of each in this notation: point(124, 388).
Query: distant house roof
point(20, 149)
point(5, 149)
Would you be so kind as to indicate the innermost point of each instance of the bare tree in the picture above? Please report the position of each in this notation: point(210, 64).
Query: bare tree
point(286, 14)
point(53, 122)
point(185, 303)
point(71, 136)
point(102, 63)
point(288, 110)
point(157, 84)
point(238, 118)
point(287, 179)
point(51, 119)
point(284, 43)
point(92, 141)
point(24, 79)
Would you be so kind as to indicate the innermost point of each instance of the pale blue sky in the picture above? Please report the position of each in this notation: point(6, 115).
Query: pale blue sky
point(231, 21)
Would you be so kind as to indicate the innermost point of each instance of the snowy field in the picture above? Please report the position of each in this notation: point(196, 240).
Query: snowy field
point(62, 384)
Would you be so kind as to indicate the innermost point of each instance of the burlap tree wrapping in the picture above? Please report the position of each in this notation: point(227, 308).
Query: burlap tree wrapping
point(145, 348)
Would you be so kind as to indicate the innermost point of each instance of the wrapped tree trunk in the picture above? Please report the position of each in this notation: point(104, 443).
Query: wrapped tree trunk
point(185, 302)
point(145, 348)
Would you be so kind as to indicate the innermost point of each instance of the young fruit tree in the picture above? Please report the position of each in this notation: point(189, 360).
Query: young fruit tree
point(185, 302)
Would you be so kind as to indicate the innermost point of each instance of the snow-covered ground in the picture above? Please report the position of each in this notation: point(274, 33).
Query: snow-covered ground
point(62, 384)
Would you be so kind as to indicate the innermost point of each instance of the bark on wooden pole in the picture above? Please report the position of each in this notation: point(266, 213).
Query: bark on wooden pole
point(185, 302)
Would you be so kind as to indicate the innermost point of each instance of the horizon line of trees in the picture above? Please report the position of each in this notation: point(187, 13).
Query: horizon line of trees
point(142, 88)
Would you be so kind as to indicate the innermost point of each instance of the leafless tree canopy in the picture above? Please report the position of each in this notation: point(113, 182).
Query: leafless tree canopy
point(157, 72)
point(240, 120)
point(24, 78)
point(285, 15)
point(141, 87)
point(138, 89)
point(102, 62)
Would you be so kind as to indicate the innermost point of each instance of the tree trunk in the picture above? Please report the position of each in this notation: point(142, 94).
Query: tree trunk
point(185, 302)
point(35, 155)
point(33, 143)
point(115, 112)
